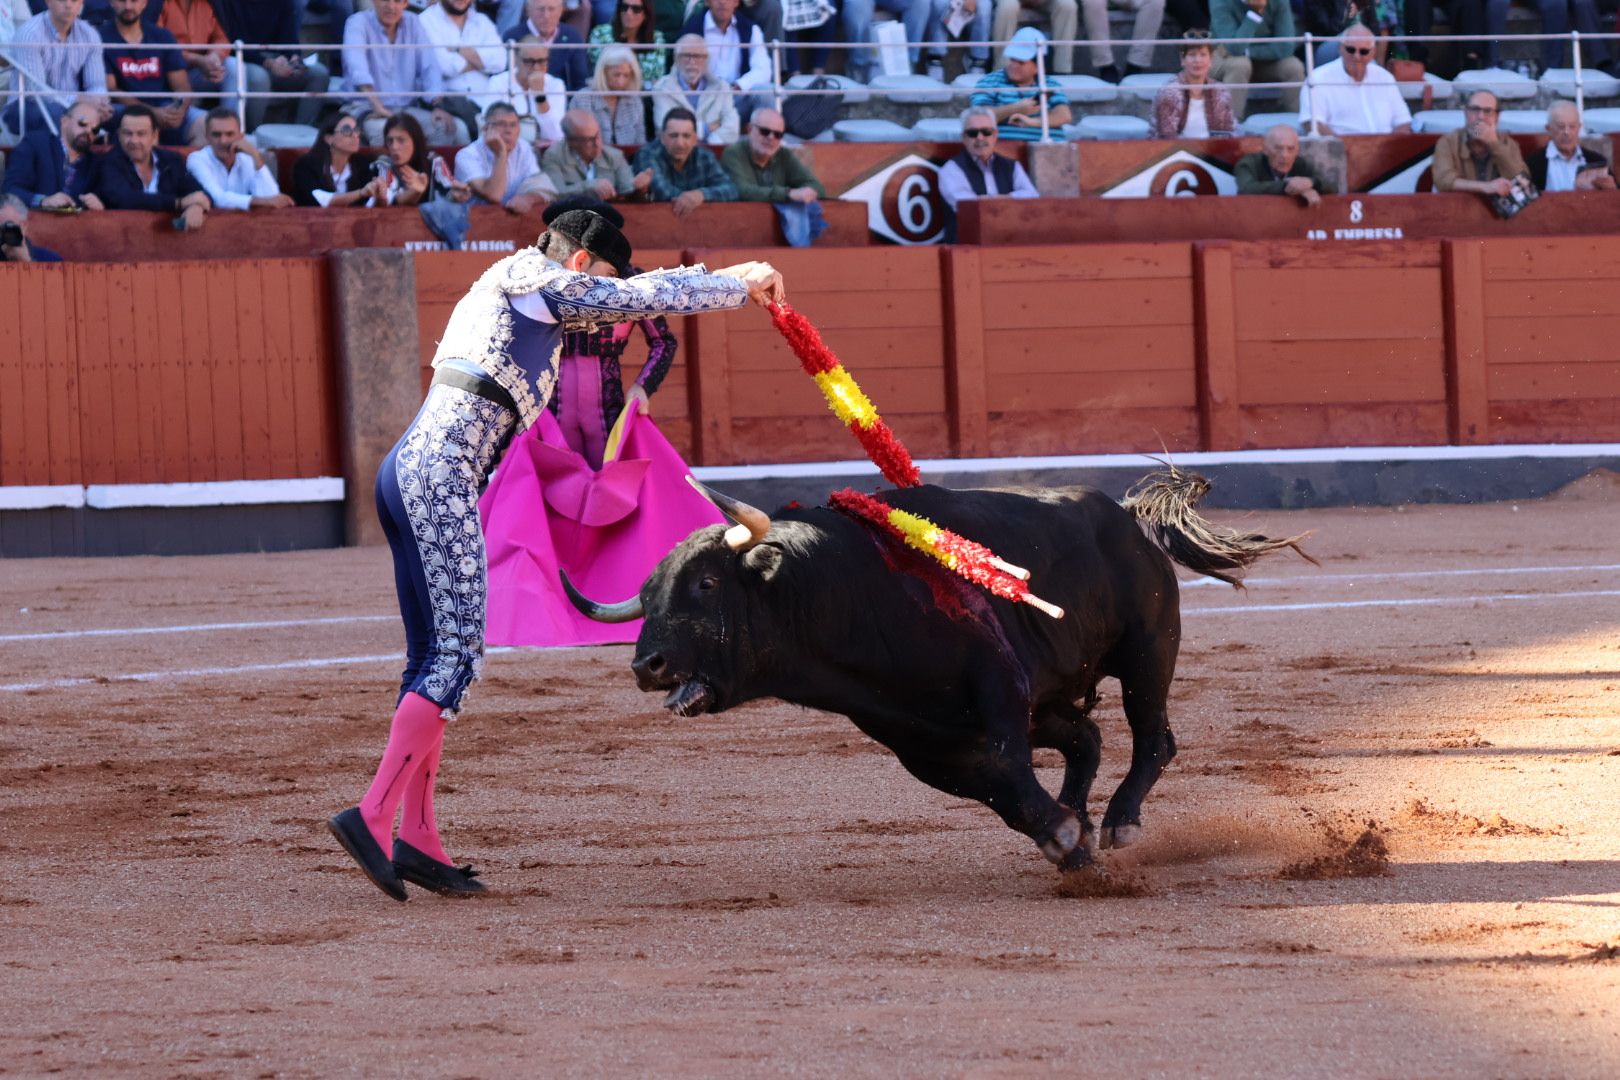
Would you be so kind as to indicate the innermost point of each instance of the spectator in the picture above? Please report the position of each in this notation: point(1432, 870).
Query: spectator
point(51, 170)
point(679, 175)
point(1352, 95)
point(1011, 95)
point(409, 171)
point(15, 246)
point(502, 168)
point(334, 168)
point(389, 81)
point(543, 23)
point(283, 70)
point(1568, 166)
point(139, 69)
point(615, 97)
point(1262, 62)
point(1279, 170)
point(857, 17)
point(737, 56)
point(1476, 157)
point(1192, 107)
point(976, 28)
point(71, 66)
point(633, 25)
point(690, 86)
point(1556, 18)
point(196, 23)
point(580, 163)
point(1064, 16)
point(539, 97)
point(762, 171)
point(979, 172)
point(232, 170)
point(1139, 57)
point(812, 24)
point(472, 54)
point(137, 174)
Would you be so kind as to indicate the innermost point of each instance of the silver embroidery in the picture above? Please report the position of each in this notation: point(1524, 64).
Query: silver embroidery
point(441, 465)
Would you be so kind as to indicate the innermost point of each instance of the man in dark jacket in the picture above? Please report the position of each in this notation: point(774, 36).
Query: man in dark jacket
point(1567, 165)
point(139, 175)
point(1279, 170)
point(51, 171)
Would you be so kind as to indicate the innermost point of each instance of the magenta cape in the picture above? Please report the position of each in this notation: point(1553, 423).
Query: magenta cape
point(547, 508)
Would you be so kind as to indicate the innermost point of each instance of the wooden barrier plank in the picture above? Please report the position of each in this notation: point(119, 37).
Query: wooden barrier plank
point(709, 360)
point(1568, 339)
point(1543, 258)
point(220, 340)
point(147, 406)
point(1094, 431)
point(1333, 373)
point(1380, 424)
point(98, 394)
point(1098, 262)
point(127, 352)
point(1554, 382)
point(198, 381)
point(314, 380)
point(1464, 296)
point(1550, 298)
point(901, 346)
point(253, 358)
point(1312, 304)
point(791, 393)
point(1215, 334)
point(14, 406)
point(1022, 353)
point(63, 380)
point(1102, 303)
point(961, 271)
point(1313, 255)
point(172, 410)
point(1555, 421)
point(1087, 392)
point(280, 418)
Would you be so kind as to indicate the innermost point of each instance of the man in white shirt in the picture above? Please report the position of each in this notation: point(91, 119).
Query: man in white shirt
point(232, 170)
point(502, 168)
point(1353, 95)
point(539, 97)
point(472, 53)
point(737, 56)
point(1567, 166)
point(978, 172)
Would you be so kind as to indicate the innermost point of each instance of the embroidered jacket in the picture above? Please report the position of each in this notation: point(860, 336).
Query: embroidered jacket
point(511, 322)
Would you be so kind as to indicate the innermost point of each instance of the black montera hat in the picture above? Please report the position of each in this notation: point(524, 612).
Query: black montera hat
point(581, 200)
point(596, 234)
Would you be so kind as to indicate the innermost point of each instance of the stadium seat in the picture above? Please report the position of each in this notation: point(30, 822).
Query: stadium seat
point(1145, 86)
point(913, 89)
point(1075, 133)
point(1437, 121)
point(1260, 123)
point(1506, 85)
point(1086, 89)
point(937, 129)
point(275, 136)
point(1561, 81)
point(1114, 127)
point(854, 93)
point(1602, 121)
point(872, 131)
point(1522, 121)
point(1413, 91)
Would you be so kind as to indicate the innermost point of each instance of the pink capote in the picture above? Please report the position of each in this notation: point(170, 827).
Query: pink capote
point(547, 508)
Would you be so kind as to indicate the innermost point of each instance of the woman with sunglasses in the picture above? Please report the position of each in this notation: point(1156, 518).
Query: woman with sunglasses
point(335, 166)
point(633, 25)
point(1191, 107)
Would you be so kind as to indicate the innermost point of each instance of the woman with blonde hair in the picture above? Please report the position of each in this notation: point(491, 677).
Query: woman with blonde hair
point(615, 98)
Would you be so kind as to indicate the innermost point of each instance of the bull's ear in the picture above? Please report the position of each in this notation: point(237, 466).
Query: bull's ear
point(764, 560)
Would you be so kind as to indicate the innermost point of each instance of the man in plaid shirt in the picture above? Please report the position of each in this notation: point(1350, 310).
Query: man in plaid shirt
point(679, 175)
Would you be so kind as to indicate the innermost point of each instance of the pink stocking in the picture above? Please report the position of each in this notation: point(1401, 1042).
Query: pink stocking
point(417, 825)
point(412, 739)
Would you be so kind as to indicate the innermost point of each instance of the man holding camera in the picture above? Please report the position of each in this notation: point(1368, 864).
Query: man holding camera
point(14, 245)
point(1477, 158)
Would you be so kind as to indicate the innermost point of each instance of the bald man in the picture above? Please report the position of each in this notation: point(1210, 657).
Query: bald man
point(1279, 170)
point(1568, 166)
point(1353, 95)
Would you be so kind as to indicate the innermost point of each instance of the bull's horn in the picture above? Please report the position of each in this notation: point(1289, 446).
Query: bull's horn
point(752, 524)
point(623, 611)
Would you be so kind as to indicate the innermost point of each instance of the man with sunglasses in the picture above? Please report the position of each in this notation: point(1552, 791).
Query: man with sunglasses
point(762, 171)
point(978, 172)
point(50, 170)
point(1478, 158)
point(539, 97)
point(1354, 95)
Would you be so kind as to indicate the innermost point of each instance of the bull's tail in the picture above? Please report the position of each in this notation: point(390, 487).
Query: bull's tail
point(1165, 502)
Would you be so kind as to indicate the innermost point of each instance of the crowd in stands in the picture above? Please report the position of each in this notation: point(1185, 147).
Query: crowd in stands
point(534, 119)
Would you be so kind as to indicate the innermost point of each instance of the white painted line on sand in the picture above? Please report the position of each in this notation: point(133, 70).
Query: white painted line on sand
point(1308, 578)
point(1416, 601)
point(196, 628)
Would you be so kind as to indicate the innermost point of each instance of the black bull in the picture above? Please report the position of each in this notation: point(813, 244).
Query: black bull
point(817, 609)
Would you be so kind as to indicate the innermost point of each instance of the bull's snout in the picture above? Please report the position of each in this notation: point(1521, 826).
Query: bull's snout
point(651, 671)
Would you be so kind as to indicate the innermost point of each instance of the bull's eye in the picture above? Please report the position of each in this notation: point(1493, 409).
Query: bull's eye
point(707, 582)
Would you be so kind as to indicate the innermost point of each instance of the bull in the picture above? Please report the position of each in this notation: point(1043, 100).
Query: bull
point(819, 609)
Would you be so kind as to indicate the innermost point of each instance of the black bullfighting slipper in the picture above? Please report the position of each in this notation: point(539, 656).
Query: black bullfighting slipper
point(428, 872)
point(350, 829)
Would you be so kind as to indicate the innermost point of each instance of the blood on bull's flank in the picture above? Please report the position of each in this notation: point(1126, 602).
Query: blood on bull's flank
point(820, 609)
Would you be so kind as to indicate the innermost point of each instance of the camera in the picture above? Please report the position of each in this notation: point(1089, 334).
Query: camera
point(11, 235)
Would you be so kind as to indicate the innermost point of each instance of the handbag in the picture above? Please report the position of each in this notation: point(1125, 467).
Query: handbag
point(808, 115)
point(1413, 71)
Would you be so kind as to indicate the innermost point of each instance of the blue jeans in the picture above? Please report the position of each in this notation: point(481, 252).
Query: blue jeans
point(977, 29)
point(858, 29)
point(1556, 16)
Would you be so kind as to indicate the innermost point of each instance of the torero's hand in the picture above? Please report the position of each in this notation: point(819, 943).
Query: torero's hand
point(765, 285)
point(638, 394)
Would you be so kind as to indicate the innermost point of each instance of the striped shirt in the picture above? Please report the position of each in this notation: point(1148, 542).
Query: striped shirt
point(72, 66)
point(995, 90)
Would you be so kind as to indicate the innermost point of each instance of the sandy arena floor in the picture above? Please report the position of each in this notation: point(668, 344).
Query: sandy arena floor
point(766, 892)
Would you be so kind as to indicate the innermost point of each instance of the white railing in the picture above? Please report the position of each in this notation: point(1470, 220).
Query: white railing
point(776, 89)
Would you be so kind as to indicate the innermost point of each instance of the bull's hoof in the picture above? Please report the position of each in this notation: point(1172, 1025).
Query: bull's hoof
point(1118, 836)
point(1078, 858)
